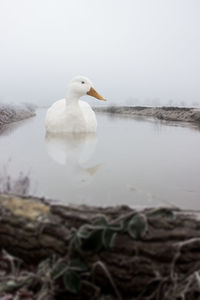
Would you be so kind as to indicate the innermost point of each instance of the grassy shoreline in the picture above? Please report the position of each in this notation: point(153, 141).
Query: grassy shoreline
point(11, 113)
point(166, 113)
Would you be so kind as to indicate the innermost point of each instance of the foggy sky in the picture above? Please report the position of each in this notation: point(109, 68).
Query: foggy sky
point(130, 49)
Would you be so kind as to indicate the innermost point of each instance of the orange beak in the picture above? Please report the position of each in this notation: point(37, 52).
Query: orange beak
point(94, 94)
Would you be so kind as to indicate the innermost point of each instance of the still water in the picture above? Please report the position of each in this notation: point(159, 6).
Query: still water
point(138, 162)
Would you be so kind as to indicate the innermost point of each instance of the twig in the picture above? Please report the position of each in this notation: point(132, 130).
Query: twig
point(109, 276)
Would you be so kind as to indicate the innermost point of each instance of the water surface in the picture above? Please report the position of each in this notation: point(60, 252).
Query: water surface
point(130, 161)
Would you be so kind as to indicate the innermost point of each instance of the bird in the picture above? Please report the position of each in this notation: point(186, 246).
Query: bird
point(71, 115)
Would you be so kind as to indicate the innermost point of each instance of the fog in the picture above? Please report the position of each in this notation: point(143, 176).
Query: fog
point(134, 51)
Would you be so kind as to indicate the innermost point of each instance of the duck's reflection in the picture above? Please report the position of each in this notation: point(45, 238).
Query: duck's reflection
point(73, 150)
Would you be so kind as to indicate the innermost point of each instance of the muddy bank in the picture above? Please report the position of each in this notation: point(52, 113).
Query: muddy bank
point(184, 114)
point(50, 251)
point(12, 113)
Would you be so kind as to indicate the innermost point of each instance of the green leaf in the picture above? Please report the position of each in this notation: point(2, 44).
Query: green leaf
point(84, 231)
point(94, 242)
point(10, 286)
point(108, 238)
point(161, 213)
point(59, 270)
point(44, 265)
point(72, 281)
point(126, 223)
point(78, 265)
point(77, 242)
point(116, 227)
point(101, 222)
point(137, 226)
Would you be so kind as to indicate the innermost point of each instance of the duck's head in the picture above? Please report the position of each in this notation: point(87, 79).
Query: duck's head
point(81, 86)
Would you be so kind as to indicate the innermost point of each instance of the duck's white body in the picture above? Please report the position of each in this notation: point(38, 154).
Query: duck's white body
point(71, 114)
point(74, 117)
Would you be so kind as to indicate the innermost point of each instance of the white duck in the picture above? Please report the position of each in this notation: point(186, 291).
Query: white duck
point(71, 114)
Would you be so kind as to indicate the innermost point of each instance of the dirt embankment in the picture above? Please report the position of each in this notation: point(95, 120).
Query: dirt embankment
point(12, 113)
point(52, 251)
point(162, 113)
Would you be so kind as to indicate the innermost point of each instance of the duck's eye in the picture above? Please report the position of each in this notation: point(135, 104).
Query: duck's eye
point(82, 82)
